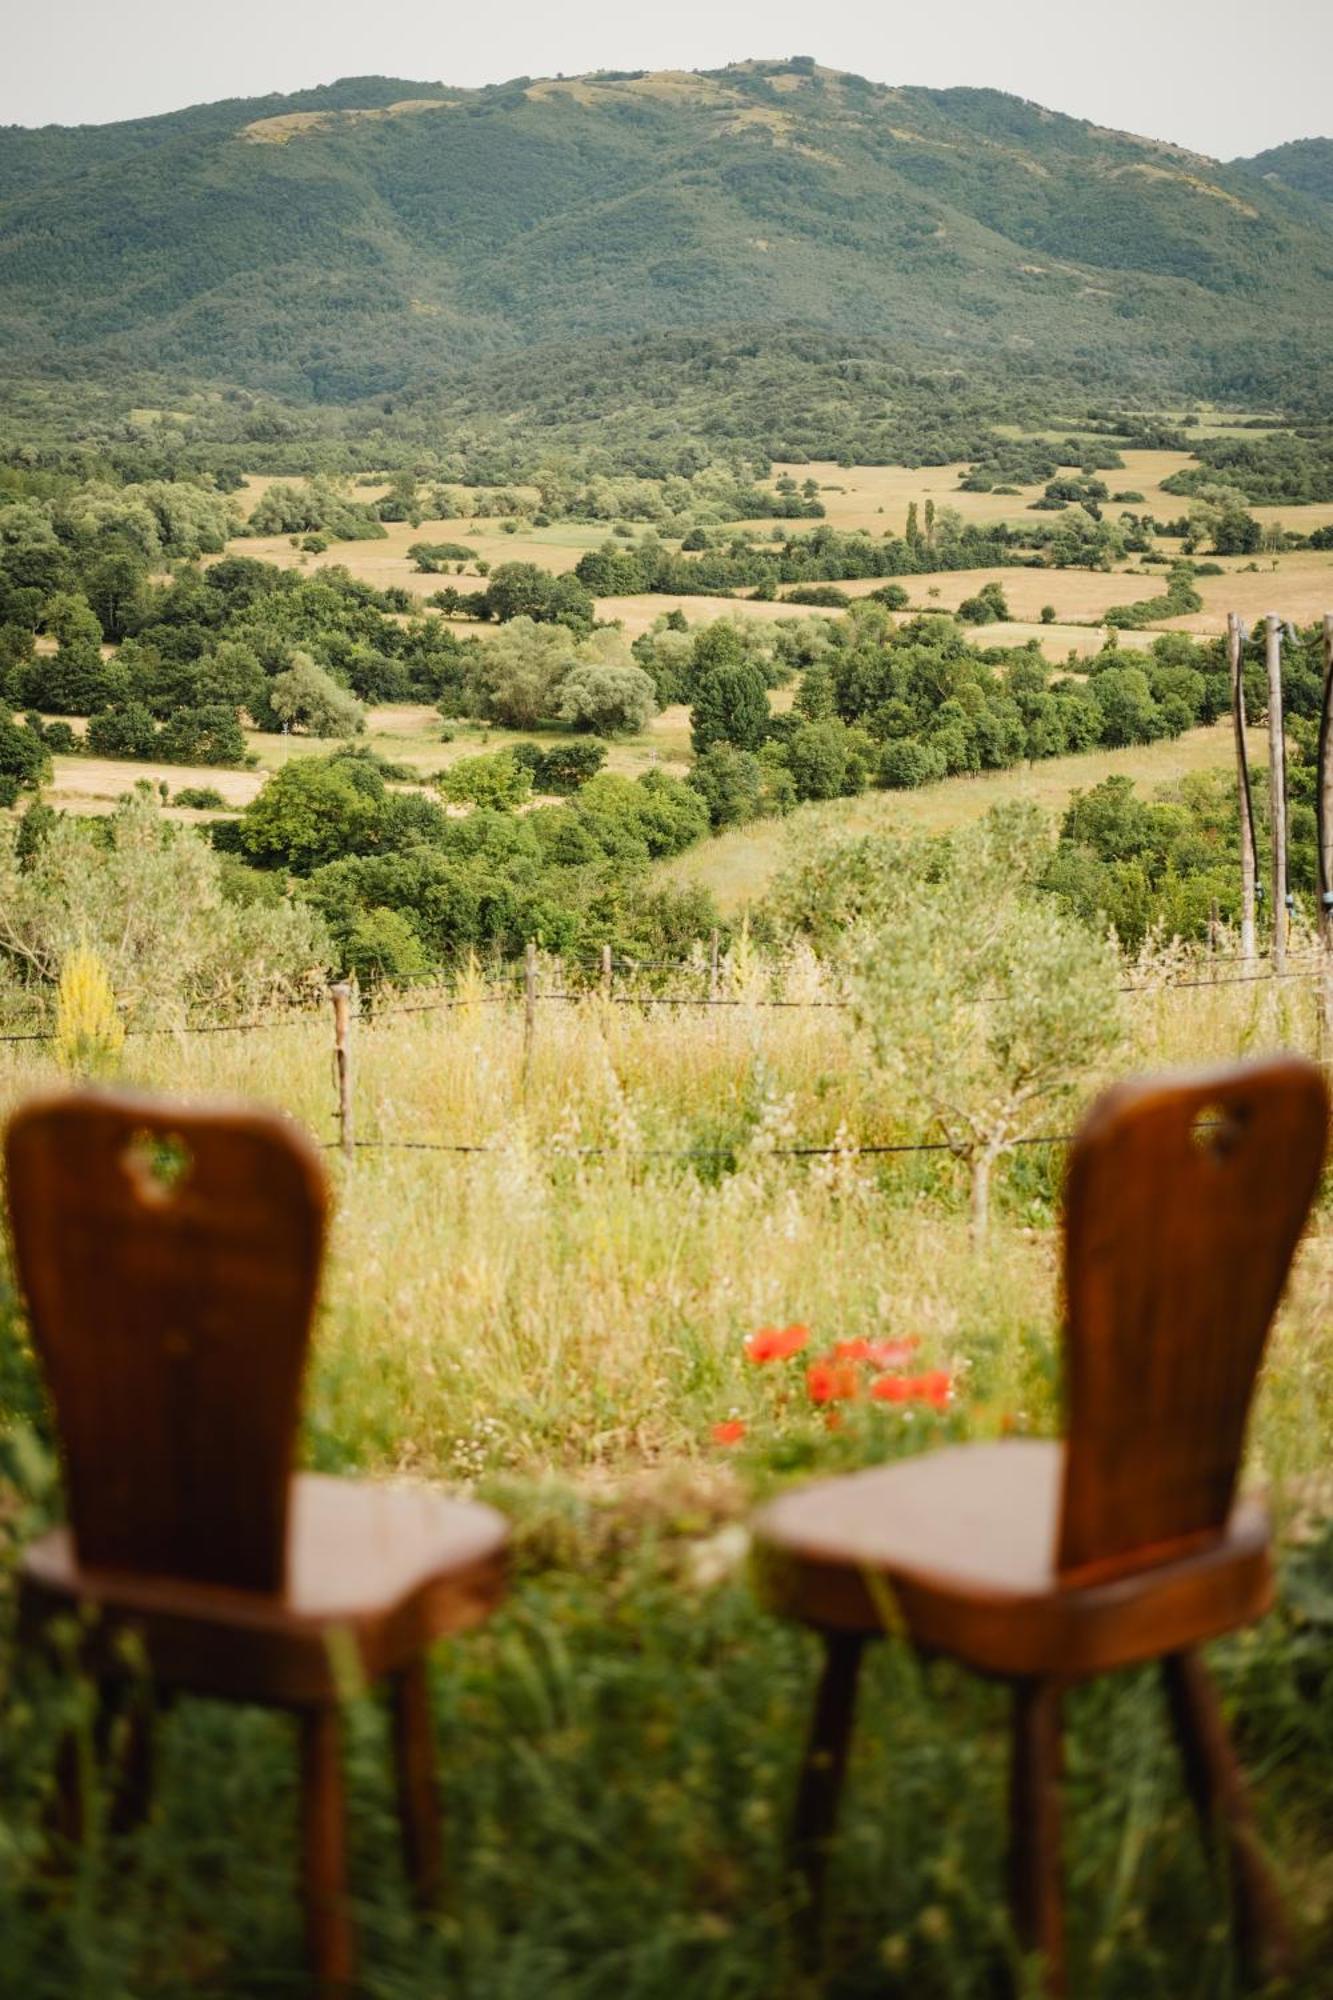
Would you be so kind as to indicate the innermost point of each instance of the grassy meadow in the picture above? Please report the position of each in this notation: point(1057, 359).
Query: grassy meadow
point(558, 1323)
point(740, 865)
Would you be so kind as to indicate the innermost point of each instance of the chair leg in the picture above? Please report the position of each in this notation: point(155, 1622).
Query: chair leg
point(329, 1937)
point(1222, 1803)
point(822, 1771)
point(418, 1797)
point(1035, 1891)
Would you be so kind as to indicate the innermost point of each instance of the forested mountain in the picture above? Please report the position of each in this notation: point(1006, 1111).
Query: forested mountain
point(1305, 164)
point(380, 233)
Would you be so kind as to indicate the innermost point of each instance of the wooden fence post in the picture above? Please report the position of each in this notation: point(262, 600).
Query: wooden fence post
point(1277, 774)
point(606, 973)
point(529, 1006)
point(1236, 662)
point(712, 968)
point(341, 995)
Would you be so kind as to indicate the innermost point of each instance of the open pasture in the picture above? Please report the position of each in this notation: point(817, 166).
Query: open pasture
point(386, 563)
point(406, 733)
point(740, 866)
point(876, 497)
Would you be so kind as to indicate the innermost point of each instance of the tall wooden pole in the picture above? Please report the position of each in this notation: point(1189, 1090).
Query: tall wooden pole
point(341, 996)
point(1236, 662)
point(1324, 842)
point(1324, 794)
point(1277, 773)
point(529, 1008)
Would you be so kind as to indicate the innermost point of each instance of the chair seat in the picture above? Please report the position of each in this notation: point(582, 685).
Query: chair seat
point(958, 1546)
point(374, 1573)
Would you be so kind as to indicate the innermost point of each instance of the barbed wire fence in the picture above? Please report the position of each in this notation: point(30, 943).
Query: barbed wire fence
point(608, 981)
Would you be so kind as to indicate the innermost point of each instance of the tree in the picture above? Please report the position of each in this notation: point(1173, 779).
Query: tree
point(987, 608)
point(307, 697)
point(610, 700)
point(567, 767)
point(516, 676)
point(731, 782)
point(730, 706)
point(499, 782)
point(209, 734)
point(381, 945)
point(1221, 513)
point(148, 897)
point(315, 809)
point(817, 755)
point(116, 589)
point(912, 533)
point(77, 680)
point(126, 731)
point(984, 1001)
point(1129, 713)
point(25, 761)
point(522, 590)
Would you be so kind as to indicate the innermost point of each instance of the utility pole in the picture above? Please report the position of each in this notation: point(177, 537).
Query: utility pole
point(1236, 662)
point(1324, 841)
point(1277, 772)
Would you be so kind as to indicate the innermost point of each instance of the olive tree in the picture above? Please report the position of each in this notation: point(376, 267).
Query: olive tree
point(986, 1003)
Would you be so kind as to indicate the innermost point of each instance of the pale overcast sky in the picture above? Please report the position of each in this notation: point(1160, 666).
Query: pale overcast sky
point(1218, 75)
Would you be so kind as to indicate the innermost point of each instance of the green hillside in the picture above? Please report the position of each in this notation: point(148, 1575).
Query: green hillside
point(1304, 164)
point(348, 241)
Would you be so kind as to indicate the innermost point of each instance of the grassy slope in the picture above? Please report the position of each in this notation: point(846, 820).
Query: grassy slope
point(740, 866)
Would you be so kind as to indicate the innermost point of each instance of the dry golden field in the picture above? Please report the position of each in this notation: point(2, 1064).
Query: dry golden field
point(878, 496)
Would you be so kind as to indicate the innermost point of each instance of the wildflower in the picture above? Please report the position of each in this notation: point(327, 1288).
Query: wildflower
point(830, 1381)
point(935, 1388)
point(881, 1353)
point(730, 1432)
point(776, 1343)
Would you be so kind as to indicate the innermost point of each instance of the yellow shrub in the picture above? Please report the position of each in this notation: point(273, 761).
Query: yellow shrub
point(89, 1033)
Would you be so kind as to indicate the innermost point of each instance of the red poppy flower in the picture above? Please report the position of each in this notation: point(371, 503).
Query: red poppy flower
point(935, 1388)
point(882, 1353)
point(830, 1381)
point(730, 1432)
point(776, 1343)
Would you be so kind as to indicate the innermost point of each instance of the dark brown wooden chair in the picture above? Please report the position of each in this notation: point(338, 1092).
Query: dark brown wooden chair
point(170, 1260)
point(1046, 1563)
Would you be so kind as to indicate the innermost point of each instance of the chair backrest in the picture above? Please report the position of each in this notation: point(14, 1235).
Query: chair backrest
point(1185, 1200)
point(170, 1259)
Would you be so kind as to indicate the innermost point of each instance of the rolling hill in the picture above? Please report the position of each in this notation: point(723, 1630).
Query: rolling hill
point(345, 242)
point(1304, 164)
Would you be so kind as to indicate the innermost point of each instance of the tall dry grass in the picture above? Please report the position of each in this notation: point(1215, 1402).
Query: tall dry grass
point(577, 1293)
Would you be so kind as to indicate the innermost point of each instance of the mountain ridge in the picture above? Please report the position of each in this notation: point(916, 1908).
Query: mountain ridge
point(376, 233)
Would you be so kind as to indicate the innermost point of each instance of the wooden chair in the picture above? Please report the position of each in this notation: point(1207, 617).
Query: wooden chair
point(170, 1260)
point(1045, 1563)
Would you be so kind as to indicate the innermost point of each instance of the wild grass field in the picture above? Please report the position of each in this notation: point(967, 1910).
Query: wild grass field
point(739, 866)
point(563, 1331)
